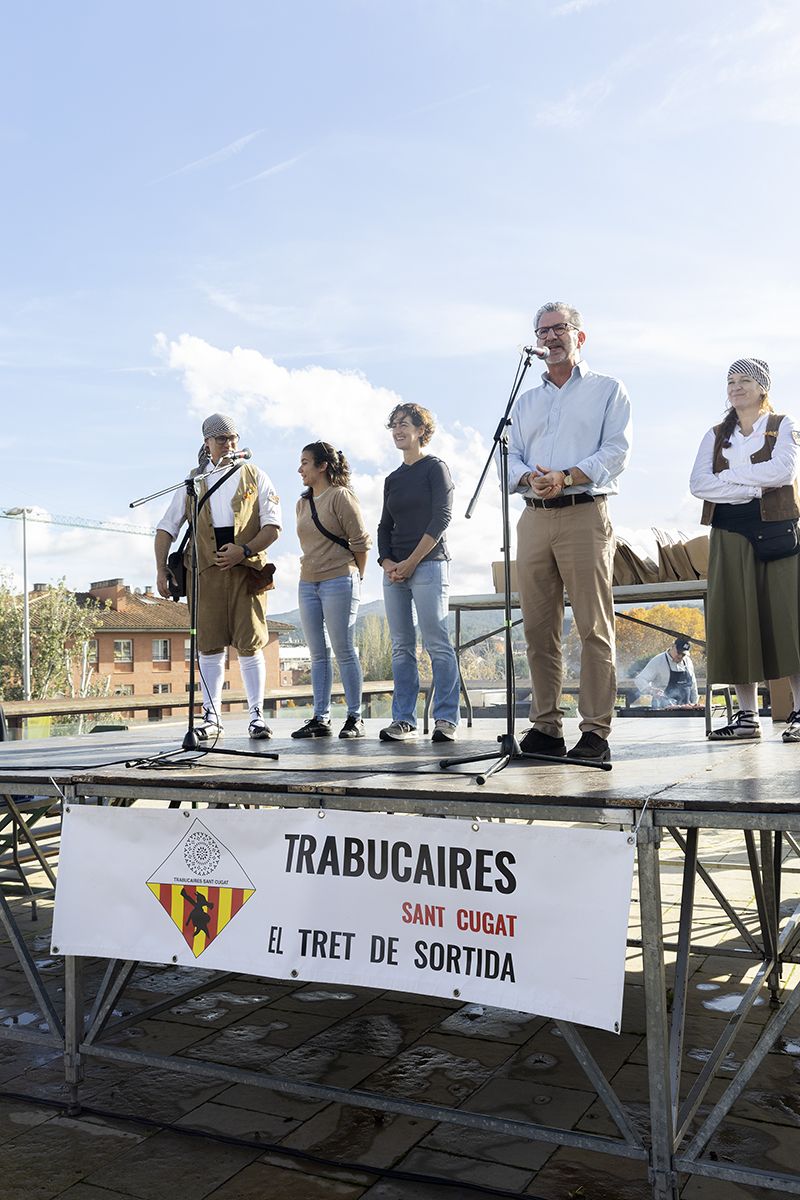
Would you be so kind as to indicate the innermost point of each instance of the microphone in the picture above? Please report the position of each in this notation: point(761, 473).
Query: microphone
point(238, 455)
point(535, 351)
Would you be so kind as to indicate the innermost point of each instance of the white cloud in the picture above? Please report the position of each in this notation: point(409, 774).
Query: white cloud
point(340, 406)
point(347, 409)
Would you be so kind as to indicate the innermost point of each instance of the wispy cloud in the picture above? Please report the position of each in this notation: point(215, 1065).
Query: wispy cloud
point(570, 7)
point(211, 160)
point(275, 169)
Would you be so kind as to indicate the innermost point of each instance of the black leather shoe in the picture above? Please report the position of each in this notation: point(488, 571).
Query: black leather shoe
point(591, 746)
point(536, 742)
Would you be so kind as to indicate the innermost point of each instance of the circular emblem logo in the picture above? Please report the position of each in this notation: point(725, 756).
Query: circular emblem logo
point(201, 853)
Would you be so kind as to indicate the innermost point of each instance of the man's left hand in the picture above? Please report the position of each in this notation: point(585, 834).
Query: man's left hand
point(229, 556)
point(547, 484)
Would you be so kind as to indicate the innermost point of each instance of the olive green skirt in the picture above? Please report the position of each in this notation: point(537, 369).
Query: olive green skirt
point(752, 613)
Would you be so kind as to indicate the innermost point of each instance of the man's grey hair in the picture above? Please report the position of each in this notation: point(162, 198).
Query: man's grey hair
point(569, 311)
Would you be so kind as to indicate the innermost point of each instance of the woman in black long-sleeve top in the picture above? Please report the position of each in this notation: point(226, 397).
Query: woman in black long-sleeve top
point(417, 506)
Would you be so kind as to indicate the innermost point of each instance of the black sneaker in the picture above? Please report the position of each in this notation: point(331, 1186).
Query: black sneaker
point(591, 746)
point(352, 728)
point(313, 729)
point(536, 742)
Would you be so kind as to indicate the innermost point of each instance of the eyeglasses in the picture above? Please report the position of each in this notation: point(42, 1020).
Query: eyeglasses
point(224, 438)
point(558, 329)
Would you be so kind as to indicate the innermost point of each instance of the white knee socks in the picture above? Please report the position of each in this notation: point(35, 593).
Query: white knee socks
point(212, 672)
point(746, 694)
point(254, 678)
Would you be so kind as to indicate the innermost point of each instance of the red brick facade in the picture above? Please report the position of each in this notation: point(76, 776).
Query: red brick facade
point(141, 643)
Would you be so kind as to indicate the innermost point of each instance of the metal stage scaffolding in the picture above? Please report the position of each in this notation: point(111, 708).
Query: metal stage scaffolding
point(660, 788)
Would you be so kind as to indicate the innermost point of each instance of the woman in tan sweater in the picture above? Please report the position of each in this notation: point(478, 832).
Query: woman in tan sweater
point(334, 542)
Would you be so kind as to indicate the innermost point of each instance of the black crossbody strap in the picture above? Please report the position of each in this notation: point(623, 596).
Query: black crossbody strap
point(326, 532)
point(203, 499)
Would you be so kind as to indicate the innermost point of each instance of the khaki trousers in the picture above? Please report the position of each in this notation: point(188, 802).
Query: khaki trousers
point(570, 548)
point(228, 615)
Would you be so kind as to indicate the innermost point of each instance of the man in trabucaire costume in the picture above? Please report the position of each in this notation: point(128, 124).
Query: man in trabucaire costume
point(234, 529)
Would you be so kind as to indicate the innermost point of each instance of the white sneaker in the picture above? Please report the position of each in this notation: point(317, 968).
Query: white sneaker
point(792, 731)
point(209, 728)
point(444, 731)
point(398, 731)
point(745, 725)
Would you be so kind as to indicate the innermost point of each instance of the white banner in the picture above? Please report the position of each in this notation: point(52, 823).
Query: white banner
point(532, 918)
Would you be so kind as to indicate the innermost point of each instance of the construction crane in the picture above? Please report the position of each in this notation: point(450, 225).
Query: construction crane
point(31, 514)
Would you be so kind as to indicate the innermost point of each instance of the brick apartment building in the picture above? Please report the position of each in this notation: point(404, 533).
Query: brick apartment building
point(142, 644)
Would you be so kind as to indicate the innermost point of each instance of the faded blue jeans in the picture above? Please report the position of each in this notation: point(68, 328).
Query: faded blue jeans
point(328, 612)
point(426, 591)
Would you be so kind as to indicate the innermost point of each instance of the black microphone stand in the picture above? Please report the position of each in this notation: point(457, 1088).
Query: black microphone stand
point(191, 740)
point(509, 746)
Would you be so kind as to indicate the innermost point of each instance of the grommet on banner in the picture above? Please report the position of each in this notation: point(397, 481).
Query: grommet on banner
point(476, 827)
point(321, 813)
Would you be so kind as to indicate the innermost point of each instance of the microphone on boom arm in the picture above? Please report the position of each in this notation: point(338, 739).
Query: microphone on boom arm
point(238, 455)
point(535, 351)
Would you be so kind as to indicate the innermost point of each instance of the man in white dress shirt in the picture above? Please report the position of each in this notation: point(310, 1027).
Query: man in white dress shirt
point(569, 443)
point(234, 528)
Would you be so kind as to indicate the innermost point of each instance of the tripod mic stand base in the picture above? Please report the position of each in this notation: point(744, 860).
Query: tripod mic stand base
point(191, 740)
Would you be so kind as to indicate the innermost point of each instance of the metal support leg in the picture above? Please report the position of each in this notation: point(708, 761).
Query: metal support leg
point(73, 1030)
point(768, 844)
point(662, 1175)
point(682, 970)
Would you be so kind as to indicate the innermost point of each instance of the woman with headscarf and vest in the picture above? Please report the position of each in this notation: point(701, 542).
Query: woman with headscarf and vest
point(239, 520)
point(745, 472)
point(334, 542)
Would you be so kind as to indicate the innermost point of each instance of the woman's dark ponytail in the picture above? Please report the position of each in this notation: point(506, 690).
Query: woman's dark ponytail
point(337, 469)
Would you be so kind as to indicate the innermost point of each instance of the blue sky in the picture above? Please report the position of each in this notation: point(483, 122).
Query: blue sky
point(299, 213)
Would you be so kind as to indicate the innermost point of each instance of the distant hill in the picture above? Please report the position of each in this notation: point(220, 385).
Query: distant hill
point(472, 624)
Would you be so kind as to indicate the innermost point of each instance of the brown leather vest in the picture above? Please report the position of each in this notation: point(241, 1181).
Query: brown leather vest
point(777, 504)
point(246, 520)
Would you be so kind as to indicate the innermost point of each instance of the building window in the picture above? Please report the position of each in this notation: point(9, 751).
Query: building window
point(123, 653)
point(123, 689)
point(196, 687)
point(226, 686)
point(161, 651)
point(187, 650)
point(162, 689)
point(91, 650)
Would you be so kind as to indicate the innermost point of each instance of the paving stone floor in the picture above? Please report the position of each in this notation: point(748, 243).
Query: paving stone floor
point(137, 1136)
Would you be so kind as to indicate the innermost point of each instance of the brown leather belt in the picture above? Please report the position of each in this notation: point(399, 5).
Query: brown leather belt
point(561, 501)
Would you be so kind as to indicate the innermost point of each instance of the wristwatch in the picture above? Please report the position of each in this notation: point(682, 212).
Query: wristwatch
point(248, 553)
point(568, 480)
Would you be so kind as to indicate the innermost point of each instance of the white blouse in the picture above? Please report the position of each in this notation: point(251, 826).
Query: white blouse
point(743, 480)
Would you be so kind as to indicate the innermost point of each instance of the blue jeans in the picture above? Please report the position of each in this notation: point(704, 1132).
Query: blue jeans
point(328, 612)
point(426, 591)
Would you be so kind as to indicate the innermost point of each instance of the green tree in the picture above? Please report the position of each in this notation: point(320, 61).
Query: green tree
point(60, 629)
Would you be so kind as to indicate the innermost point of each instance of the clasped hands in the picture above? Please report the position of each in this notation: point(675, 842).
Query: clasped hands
point(229, 555)
point(397, 572)
point(545, 483)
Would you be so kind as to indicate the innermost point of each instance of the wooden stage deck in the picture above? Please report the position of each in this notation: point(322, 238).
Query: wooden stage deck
point(667, 766)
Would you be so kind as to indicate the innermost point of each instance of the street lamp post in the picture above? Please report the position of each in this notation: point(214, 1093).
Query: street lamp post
point(26, 616)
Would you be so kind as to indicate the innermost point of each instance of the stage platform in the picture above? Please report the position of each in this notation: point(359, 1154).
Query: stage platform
point(671, 768)
point(715, 917)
